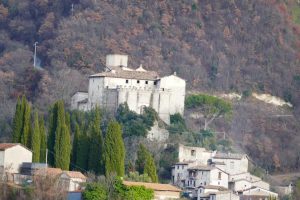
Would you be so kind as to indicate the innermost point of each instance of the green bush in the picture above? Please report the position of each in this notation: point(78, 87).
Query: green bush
point(133, 123)
point(177, 124)
point(95, 191)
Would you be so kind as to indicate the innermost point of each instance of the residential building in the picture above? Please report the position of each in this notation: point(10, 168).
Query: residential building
point(12, 155)
point(257, 193)
point(161, 191)
point(211, 175)
point(72, 180)
point(138, 88)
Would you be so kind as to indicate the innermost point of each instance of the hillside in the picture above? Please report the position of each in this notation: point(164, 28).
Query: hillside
point(217, 46)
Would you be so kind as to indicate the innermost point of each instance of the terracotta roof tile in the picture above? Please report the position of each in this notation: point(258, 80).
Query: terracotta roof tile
point(49, 171)
point(141, 75)
point(74, 174)
point(153, 186)
point(4, 146)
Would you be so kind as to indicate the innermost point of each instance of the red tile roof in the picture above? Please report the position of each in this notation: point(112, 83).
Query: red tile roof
point(4, 146)
point(74, 174)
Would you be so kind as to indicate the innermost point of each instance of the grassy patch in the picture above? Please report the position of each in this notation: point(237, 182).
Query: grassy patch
point(296, 14)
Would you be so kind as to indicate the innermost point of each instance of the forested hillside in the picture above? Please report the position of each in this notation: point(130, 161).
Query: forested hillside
point(217, 46)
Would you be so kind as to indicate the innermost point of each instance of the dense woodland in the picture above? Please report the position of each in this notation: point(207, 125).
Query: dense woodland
point(217, 46)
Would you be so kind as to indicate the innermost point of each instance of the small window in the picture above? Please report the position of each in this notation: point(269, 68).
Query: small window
point(146, 82)
point(220, 175)
point(138, 81)
point(204, 183)
point(155, 82)
point(182, 166)
point(177, 166)
point(194, 183)
point(193, 153)
point(126, 81)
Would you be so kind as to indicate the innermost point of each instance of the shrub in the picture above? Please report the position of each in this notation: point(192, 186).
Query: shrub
point(95, 191)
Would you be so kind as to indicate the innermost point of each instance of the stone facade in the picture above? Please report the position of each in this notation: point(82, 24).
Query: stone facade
point(138, 88)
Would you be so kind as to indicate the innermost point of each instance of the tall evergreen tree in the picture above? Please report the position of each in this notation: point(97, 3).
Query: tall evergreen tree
point(150, 168)
point(36, 139)
point(51, 134)
point(43, 141)
point(75, 145)
point(18, 122)
point(114, 150)
point(142, 154)
point(95, 162)
point(62, 146)
point(26, 132)
point(62, 156)
point(82, 152)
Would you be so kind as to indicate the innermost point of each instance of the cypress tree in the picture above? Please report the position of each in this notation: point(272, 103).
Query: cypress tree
point(18, 122)
point(36, 139)
point(95, 162)
point(51, 134)
point(150, 169)
point(62, 156)
point(75, 144)
point(142, 154)
point(62, 146)
point(26, 132)
point(114, 150)
point(43, 141)
point(82, 152)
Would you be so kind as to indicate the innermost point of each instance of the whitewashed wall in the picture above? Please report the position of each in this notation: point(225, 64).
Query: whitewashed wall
point(15, 156)
point(233, 166)
point(201, 154)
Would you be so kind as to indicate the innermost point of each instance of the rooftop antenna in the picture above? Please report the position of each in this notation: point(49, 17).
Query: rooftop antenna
point(34, 58)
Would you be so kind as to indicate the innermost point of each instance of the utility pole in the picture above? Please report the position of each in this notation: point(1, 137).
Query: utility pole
point(34, 58)
point(46, 157)
point(72, 9)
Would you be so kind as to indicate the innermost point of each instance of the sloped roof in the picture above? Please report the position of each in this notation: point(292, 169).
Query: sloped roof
point(215, 187)
point(202, 167)
point(74, 174)
point(153, 186)
point(49, 171)
point(126, 74)
point(229, 156)
point(4, 146)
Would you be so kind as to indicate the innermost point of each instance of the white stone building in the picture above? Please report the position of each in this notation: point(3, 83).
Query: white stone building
point(72, 180)
point(139, 88)
point(12, 155)
point(199, 171)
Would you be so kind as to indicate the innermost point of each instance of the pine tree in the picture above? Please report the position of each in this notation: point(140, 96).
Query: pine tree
point(114, 150)
point(36, 139)
point(43, 141)
point(75, 144)
point(26, 132)
point(95, 162)
point(142, 154)
point(150, 169)
point(18, 122)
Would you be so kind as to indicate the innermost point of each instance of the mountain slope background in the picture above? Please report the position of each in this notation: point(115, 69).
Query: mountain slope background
point(217, 46)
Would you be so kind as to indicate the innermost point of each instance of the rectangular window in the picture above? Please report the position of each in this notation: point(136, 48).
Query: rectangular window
point(155, 82)
point(220, 175)
point(193, 153)
point(182, 166)
point(126, 81)
point(138, 81)
point(146, 82)
point(177, 166)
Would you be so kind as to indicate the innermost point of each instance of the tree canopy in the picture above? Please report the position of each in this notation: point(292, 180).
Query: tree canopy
point(210, 107)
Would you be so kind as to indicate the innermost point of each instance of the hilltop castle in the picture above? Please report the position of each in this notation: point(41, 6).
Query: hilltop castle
point(139, 88)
